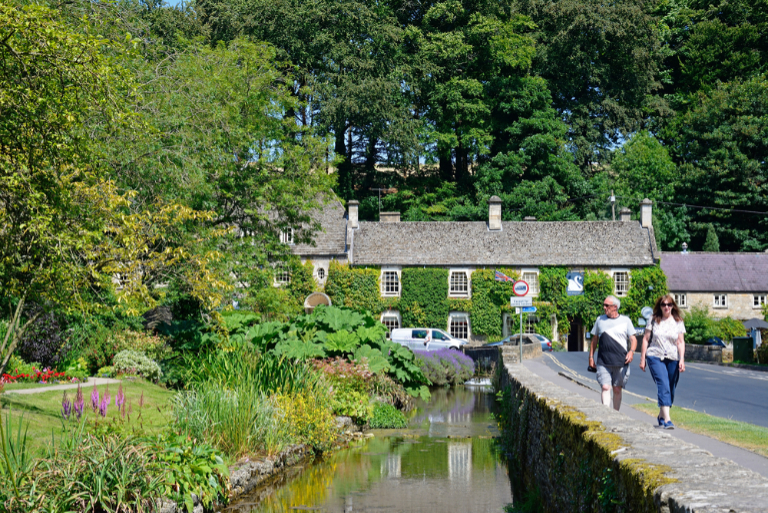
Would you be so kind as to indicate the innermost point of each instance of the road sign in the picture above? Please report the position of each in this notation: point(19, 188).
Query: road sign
point(520, 288)
point(529, 309)
point(521, 301)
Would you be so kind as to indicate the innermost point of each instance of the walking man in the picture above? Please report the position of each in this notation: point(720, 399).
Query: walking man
point(617, 341)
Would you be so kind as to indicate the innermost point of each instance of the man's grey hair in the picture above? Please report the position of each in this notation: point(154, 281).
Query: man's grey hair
point(615, 301)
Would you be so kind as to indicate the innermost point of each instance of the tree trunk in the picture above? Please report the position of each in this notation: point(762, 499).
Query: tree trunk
point(344, 169)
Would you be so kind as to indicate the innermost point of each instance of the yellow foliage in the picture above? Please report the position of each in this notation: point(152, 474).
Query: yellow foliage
point(310, 419)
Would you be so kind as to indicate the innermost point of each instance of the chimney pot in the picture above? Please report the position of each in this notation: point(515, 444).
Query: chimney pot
point(625, 214)
point(494, 213)
point(646, 217)
point(353, 219)
point(389, 217)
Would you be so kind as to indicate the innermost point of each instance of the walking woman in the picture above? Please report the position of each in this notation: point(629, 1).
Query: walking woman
point(665, 355)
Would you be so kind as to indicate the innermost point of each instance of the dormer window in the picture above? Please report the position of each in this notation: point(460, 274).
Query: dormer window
point(458, 283)
point(286, 236)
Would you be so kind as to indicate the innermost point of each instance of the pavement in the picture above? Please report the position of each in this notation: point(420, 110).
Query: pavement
point(731, 393)
point(550, 368)
point(69, 386)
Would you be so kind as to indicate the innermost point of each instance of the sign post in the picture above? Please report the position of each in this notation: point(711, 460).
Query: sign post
point(520, 288)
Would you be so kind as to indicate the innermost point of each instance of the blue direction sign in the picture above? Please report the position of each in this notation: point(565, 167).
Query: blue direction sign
point(529, 309)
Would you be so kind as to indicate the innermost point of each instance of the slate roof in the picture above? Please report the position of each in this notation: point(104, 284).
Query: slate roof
point(532, 243)
point(716, 272)
point(332, 239)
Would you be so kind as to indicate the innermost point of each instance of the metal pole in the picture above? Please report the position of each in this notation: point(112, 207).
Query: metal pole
point(521, 336)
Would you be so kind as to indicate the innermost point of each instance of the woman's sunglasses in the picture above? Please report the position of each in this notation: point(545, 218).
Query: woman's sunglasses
point(668, 304)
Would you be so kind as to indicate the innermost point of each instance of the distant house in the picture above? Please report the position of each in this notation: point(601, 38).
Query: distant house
point(615, 247)
point(727, 284)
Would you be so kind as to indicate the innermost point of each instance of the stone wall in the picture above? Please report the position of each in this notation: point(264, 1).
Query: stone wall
point(574, 454)
point(696, 352)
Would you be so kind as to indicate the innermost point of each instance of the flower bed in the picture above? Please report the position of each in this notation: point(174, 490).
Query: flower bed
point(446, 366)
point(38, 376)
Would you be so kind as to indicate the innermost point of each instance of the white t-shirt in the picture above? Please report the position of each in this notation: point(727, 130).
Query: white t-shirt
point(663, 343)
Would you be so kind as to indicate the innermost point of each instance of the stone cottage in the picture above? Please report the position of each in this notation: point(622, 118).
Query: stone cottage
point(615, 247)
point(726, 284)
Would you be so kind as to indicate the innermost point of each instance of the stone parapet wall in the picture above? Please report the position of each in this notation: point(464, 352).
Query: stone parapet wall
point(578, 455)
point(695, 352)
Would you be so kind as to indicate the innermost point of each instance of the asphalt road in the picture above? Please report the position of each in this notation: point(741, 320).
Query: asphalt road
point(737, 394)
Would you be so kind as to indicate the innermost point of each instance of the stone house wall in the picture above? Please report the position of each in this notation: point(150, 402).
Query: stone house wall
point(739, 305)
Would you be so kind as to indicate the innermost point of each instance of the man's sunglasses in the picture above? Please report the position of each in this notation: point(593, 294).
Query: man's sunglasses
point(607, 305)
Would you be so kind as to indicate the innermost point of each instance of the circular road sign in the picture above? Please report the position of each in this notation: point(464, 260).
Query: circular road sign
point(520, 288)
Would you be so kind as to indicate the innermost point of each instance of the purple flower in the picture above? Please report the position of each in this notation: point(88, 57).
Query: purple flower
point(104, 405)
point(94, 398)
point(120, 398)
point(79, 403)
point(106, 394)
point(66, 407)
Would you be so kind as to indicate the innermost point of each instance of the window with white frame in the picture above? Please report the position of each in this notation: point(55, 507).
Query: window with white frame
point(720, 301)
point(391, 319)
point(390, 282)
point(758, 300)
point(286, 236)
point(458, 284)
point(320, 273)
point(620, 283)
point(530, 323)
point(681, 300)
point(282, 274)
point(531, 277)
point(458, 325)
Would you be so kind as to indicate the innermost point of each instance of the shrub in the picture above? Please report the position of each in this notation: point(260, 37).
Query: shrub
point(135, 362)
point(310, 419)
point(386, 416)
point(78, 369)
point(43, 341)
point(446, 366)
point(728, 328)
point(762, 353)
point(699, 326)
point(152, 345)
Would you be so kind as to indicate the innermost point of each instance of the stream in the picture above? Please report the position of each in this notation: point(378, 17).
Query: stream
point(444, 461)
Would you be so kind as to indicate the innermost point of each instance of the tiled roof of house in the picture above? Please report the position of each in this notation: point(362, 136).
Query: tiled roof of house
point(533, 243)
point(332, 238)
point(716, 272)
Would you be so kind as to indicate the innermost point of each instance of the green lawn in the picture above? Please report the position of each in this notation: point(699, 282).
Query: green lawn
point(741, 434)
point(42, 410)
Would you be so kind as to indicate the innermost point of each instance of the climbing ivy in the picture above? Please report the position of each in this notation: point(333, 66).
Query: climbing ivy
point(424, 297)
point(302, 280)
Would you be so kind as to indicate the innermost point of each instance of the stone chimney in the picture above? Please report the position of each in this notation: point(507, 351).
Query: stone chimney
point(389, 217)
point(646, 218)
point(529, 218)
point(494, 213)
point(625, 214)
point(353, 219)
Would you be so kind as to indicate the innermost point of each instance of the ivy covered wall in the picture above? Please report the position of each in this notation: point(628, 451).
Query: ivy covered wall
point(424, 297)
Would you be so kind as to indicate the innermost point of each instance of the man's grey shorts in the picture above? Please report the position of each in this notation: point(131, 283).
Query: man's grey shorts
point(613, 376)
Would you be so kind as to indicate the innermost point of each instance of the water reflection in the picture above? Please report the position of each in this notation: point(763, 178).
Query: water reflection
point(417, 470)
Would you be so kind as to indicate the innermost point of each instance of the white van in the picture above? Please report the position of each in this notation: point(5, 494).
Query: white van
point(425, 339)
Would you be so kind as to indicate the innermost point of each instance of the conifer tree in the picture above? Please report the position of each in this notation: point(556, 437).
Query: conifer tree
point(712, 243)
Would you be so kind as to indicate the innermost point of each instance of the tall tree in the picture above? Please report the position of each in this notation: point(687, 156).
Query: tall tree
point(711, 243)
point(601, 60)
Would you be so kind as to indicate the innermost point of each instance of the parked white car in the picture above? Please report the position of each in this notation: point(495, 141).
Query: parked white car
point(425, 339)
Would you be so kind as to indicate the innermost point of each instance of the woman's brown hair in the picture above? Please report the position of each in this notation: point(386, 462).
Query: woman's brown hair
point(657, 316)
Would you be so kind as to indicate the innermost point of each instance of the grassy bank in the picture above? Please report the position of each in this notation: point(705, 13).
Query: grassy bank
point(42, 411)
point(741, 434)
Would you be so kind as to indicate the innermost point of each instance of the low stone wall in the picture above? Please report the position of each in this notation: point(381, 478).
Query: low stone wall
point(696, 352)
point(577, 455)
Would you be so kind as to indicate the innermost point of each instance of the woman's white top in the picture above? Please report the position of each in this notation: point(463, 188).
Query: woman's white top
point(663, 343)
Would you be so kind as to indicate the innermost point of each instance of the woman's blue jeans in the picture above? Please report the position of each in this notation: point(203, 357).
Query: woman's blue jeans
point(665, 373)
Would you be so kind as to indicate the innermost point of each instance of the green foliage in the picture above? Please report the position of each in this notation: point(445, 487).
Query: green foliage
point(191, 467)
point(350, 399)
point(489, 297)
point(646, 285)
point(136, 362)
point(356, 288)
point(424, 297)
point(711, 243)
point(727, 328)
point(310, 419)
point(698, 325)
point(386, 416)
